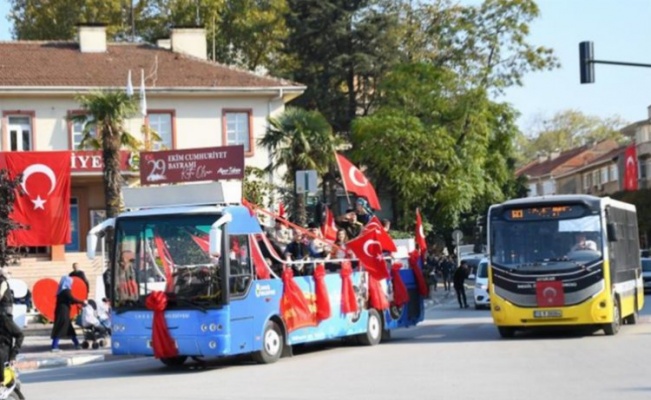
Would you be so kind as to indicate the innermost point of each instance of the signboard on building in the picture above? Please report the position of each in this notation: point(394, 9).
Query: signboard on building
point(91, 161)
point(191, 165)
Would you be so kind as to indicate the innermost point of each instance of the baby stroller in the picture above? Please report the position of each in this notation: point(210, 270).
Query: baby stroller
point(94, 332)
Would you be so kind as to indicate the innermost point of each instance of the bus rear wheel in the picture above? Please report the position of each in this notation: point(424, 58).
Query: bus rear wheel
point(174, 361)
point(633, 318)
point(613, 327)
point(272, 344)
point(374, 329)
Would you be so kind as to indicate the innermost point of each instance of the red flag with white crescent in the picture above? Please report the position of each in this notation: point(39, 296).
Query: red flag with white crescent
point(355, 181)
point(45, 206)
point(550, 294)
point(329, 228)
point(630, 168)
point(368, 249)
point(420, 233)
point(383, 236)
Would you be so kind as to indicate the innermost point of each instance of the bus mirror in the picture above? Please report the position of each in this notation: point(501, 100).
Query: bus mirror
point(216, 234)
point(612, 232)
point(91, 245)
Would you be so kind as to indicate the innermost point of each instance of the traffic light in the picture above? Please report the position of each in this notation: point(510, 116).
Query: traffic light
point(586, 64)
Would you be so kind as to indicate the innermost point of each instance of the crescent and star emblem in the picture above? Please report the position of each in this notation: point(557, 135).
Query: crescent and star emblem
point(369, 244)
point(549, 293)
point(35, 169)
point(354, 177)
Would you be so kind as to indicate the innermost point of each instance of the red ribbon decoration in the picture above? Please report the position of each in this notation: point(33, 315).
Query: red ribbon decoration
point(376, 297)
point(400, 294)
point(162, 342)
point(321, 292)
point(423, 288)
point(348, 301)
point(293, 305)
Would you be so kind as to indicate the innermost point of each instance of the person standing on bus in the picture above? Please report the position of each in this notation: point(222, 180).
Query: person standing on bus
point(459, 280)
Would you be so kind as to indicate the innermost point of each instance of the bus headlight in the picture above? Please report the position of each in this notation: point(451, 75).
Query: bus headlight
point(480, 286)
point(212, 344)
point(204, 327)
point(213, 327)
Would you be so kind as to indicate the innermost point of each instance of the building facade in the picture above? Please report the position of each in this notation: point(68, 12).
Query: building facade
point(190, 102)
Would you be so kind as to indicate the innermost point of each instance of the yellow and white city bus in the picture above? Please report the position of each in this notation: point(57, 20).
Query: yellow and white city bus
point(566, 260)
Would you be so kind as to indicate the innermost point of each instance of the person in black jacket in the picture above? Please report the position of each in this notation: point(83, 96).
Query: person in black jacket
point(11, 336)
point(62, 327)
point(76, 272)
point(458, 280)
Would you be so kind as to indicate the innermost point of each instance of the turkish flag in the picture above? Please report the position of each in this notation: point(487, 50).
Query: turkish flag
point(420, 233)
point(294, 307)
point(355, 181)
point(44, 207)
point(550, 294)
point(630, 168)
point(386, 241)
point(329, 228)
point(281, 211)
point(368, 250)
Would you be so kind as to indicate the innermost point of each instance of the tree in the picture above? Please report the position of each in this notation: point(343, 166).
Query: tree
point(437, 144)
point(299, 140)
point(340, 50)
point(568, 129)
point(9, 187)
point(57, 19)
point(106, 113)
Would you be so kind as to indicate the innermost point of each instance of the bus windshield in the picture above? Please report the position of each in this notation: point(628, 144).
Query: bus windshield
point(166, 253)
point(539, 241)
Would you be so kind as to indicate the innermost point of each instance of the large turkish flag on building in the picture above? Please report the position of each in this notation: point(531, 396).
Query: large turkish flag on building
point(355, 181)
point(44, 207)
point(630, 168)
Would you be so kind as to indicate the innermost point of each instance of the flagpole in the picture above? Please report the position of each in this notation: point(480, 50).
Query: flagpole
point(343, 180)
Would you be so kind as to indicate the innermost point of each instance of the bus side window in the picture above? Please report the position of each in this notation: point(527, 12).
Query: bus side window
point(241, 271)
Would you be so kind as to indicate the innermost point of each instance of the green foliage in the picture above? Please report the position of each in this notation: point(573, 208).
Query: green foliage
point(9, 187)
point(257, 188)
point(299, 140)
point(436, 144)
point(106, 113)
point(568, 129)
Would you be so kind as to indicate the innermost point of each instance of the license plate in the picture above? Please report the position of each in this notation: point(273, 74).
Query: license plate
point(547, 314)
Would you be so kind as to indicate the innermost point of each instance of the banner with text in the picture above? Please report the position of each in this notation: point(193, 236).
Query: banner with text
point(205, 164)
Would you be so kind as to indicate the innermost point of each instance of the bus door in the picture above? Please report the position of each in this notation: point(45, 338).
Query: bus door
point(240, 281)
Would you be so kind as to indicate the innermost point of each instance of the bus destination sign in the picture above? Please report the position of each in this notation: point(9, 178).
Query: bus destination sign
point(549, 212)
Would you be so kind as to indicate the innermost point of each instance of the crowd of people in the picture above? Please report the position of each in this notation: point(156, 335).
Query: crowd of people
point(298, 247)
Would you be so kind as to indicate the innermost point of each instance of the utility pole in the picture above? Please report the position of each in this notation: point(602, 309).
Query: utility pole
point(197, 19)
point(133, 23)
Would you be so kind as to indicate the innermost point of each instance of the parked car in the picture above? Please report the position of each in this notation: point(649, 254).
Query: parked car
point(646, 274)
point(481, 297)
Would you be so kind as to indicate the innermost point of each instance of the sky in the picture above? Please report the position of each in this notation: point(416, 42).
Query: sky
point(620, 30)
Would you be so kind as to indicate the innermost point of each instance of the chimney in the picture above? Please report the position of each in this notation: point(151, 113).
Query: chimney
point(648, 112)
point(164, 43)
point(92, 38)
point(542, 157)
point(554, 154)
point(190, 40)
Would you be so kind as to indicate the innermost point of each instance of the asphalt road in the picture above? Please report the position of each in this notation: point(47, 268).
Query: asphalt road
point(454, 354)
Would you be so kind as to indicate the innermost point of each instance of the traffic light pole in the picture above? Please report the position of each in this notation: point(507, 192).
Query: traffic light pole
point(587, 62)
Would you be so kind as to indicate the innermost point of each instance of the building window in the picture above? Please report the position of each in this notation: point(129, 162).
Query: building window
point(604, 175)
point(532, 190)
point(162, 122)
point(237, 129)
point(595, 177)
point(587, 181)
point(76, 129)
point(549, 187)
point(614, 173)
point(642, 168)
point(19, 132)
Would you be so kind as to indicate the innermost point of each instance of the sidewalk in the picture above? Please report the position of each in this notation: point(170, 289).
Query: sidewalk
point(36, 354)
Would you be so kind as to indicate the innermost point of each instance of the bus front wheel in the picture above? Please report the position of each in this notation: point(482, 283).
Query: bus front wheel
point(374, 329)
point(506, 332)
point(613, 327)
point(272, 344)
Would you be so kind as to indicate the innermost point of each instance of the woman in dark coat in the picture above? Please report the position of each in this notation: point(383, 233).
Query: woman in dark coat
point(62, 324)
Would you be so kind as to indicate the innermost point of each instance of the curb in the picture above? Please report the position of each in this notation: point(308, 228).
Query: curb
point(57, 362)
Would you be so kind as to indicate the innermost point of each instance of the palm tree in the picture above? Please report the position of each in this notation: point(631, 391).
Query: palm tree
point(106, 113)
point(299, 139)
